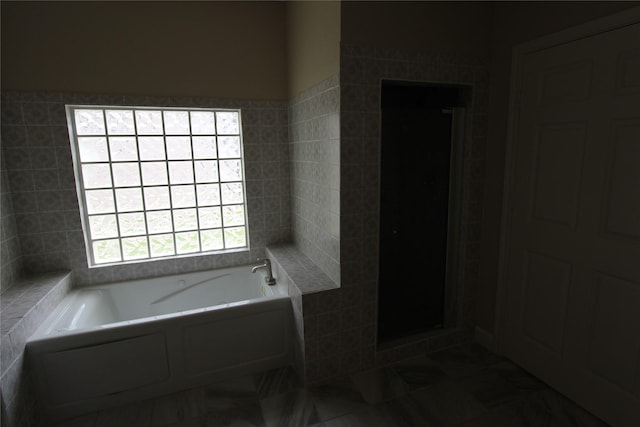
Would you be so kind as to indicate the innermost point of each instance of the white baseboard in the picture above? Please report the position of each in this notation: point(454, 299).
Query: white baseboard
point(484, 338)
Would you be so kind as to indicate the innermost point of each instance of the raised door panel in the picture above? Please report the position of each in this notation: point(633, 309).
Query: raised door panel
point(628, 72)
point(544, 301)
point(614, 350)
point(566, 83)
point(558, 170)
point(623, 208)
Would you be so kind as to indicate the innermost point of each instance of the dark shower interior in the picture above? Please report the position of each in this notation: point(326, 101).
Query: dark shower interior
point(414, 214)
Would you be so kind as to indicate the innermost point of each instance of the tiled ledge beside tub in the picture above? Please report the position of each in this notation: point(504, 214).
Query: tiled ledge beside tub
point(304, 279)
point(24, 307)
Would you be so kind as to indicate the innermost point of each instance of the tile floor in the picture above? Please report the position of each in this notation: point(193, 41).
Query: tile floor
point(463, 386)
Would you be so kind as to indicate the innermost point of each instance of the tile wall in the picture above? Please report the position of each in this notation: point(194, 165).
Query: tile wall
point(10, 257)
point(40, 175)
point(314, 137)
point(340, 325)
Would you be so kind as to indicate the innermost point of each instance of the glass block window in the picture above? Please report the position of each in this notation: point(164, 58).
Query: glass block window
point(158, 182)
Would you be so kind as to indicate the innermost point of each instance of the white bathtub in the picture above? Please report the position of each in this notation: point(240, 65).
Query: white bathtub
point(112, 344)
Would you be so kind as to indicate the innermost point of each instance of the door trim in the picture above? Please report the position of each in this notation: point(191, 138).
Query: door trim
point(591, 28)
point(454, 270)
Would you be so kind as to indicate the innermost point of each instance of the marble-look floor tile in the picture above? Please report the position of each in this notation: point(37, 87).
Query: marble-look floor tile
point(516, 414)
point(517, 376)
point(408, 411)
point(379, 385)
point(136, 414)
point(229, 394)
point(448, 403)
point(233, 402)
point(464, 360)
point(466, 386)
point(193, 422)
point(276, 381)
point(483, 355)
point(369, 417)
point(292, 409)
point(419, 372)
point(489, 388)
point(248, 416)
point(81, 421)
point(178, 407)
point(504, 416)
point(564, 409)
point(336, 399)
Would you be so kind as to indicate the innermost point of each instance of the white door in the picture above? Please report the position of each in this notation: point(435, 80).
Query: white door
point(571, 272)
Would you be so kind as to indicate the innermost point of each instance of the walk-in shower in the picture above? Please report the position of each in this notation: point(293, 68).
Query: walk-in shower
point(420, 200)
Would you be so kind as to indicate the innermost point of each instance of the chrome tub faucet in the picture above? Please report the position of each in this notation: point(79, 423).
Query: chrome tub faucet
point(266, 264)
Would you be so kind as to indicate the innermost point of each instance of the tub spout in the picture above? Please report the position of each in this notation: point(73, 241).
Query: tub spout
point(266, 264)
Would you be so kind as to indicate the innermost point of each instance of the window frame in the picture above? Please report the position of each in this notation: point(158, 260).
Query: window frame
point(82, 196)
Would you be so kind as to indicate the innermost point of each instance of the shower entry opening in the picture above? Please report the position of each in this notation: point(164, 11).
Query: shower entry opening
point(420, 202)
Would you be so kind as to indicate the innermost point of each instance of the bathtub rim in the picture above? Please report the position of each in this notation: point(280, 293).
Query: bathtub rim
point(40, 336)
point(44, 331)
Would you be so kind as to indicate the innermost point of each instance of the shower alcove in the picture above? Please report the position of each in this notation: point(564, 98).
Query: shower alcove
point(422, 128)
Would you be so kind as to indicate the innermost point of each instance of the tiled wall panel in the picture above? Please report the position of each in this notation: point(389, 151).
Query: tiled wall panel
point(340, 325)
point(43, 190)
point(362, 70)
point(314, 137)
point(10, 256)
